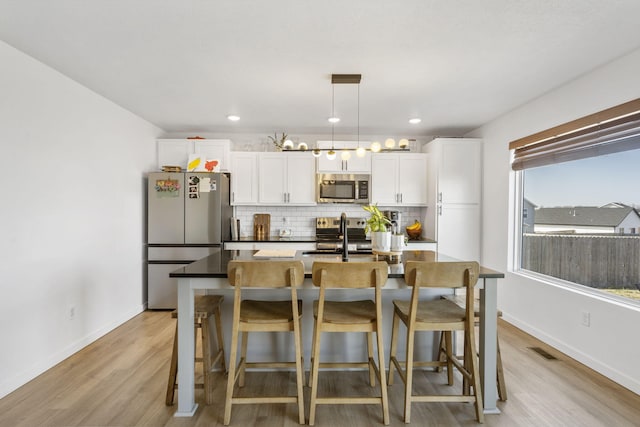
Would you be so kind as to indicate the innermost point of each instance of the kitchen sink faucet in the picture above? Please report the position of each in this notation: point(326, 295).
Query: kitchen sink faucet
point(345, 240)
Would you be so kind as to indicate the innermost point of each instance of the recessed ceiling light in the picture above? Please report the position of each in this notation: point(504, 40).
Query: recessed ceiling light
point(333, 119)
point(415, 120)
point(233, 118)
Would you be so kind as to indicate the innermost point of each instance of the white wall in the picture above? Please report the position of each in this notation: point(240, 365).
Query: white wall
point(610, 345)
point(71, 216)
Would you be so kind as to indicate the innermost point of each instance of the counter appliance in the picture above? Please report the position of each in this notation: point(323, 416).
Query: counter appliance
point(396, 218)
point(188, 218)
point(329, 238)
point(342, 188)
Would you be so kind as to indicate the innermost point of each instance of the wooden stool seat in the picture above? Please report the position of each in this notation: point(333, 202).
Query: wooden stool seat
point(349, 316)
point(264, 316)
point(252, 311)
point(347, 312)
point(438, 311)
point(205, 308)
point(502, 385)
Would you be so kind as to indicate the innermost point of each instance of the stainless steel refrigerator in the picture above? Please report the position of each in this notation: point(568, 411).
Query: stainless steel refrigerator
point(188, 217)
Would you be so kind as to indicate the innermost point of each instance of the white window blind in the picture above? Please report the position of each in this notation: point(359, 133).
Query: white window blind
point(609, 131)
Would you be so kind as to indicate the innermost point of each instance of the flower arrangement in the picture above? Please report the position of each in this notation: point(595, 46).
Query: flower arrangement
point(281, 142)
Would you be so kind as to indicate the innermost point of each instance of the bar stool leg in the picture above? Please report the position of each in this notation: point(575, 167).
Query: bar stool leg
point(372, 372)
point(220, 338)
point(394, 347)
point(206, 360)
point(173, 370)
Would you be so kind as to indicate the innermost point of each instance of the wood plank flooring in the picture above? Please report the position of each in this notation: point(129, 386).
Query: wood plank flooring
point(120, 380)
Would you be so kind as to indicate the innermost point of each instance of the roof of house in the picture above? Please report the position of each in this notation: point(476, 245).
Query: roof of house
point(583, 215)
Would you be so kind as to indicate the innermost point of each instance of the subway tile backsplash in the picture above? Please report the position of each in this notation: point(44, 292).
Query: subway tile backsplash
point(301, 219)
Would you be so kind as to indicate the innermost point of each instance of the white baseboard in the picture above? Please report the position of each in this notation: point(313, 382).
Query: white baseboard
point(11, 384)
point(633, 384)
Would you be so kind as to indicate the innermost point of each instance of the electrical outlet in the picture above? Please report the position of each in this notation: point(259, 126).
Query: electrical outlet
point(72, 312)
point(586, 318)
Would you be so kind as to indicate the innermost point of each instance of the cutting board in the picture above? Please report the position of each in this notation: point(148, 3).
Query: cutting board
point(275, 253)
point(261, 222)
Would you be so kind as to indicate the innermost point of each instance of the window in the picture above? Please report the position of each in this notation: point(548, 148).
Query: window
point(580, 212)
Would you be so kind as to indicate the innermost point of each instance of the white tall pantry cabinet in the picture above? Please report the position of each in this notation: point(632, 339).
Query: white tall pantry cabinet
point(455, 196)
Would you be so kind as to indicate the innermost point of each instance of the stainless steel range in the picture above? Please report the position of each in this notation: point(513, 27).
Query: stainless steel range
point(329, 238)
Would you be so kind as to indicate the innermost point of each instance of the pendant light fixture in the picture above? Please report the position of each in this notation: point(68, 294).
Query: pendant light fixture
point(345, 153)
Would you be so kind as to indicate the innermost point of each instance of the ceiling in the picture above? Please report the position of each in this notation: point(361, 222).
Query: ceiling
point(185, 65)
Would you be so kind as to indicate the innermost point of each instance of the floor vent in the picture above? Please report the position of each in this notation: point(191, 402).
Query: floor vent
point(543, 353)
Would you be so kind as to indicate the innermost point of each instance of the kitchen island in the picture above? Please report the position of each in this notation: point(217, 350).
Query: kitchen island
point(210, 274)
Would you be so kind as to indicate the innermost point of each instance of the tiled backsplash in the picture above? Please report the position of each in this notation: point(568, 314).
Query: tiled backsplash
point(301, 219)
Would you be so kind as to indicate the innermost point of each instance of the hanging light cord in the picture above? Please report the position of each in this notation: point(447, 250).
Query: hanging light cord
point(333, 112)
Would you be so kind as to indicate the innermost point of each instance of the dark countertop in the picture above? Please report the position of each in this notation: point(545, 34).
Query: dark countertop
point(215, 265)
point(304, 239)
point(275, 239)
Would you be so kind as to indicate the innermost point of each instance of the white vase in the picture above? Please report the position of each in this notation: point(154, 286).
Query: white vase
point(381, 241)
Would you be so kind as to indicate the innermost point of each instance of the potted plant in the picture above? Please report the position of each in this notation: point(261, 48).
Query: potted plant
point(377, 225)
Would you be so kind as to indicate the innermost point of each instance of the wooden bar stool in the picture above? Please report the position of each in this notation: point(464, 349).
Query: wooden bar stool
point(439, 315)
point(349, 316)
point(205, 307)
point(501, 384)
point(264, 316)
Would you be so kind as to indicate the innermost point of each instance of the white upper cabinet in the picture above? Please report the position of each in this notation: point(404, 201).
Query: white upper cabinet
point(286, 179)
point(175, 152)
point(244, 178)
point(399, 179)
point(355, 164)
point(459, 172)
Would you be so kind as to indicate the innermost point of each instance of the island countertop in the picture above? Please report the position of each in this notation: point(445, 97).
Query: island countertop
point(215, 265)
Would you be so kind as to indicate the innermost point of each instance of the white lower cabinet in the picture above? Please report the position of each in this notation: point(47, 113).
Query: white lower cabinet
point(286, 179)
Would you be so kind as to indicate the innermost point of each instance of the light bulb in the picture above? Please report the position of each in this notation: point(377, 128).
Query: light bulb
point(331, 154)
point(375, 146)
point(288, 144)
point(345, 155)
point(360, 152)
point(316, 152)
point(303, 146)
point(390, 143)
point(403, 143)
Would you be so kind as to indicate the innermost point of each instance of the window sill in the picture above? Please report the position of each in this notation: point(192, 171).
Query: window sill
point(579, 289)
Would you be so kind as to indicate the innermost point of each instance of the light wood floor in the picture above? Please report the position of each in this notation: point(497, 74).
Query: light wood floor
point(120, 380)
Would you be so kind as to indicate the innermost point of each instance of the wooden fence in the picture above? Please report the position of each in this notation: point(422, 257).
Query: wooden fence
point(598, 261)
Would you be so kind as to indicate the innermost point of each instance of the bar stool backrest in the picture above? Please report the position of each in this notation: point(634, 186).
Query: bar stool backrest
point(441, 274)
point(265, 274)
point(350, 274)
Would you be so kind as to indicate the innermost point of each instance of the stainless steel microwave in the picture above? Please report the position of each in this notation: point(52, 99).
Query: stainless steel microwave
point(342, 188)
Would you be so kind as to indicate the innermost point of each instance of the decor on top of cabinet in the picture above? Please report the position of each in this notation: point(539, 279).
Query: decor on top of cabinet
point(281, 143)
point(377, 225)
